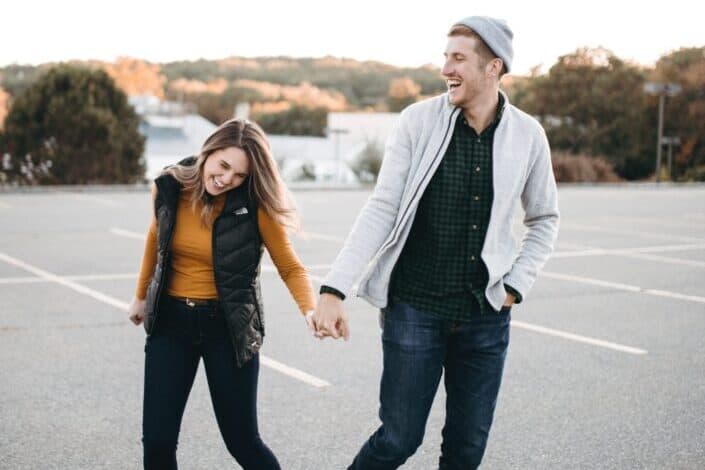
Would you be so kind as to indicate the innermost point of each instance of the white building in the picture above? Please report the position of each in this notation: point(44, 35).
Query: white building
point(173, 131)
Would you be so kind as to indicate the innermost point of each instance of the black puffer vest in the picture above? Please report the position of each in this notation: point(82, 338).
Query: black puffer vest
point(237, 251)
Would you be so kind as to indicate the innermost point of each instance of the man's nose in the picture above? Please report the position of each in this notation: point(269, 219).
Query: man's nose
point(447, 69)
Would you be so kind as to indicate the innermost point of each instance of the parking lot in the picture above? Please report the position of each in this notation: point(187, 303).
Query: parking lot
point(605, 370)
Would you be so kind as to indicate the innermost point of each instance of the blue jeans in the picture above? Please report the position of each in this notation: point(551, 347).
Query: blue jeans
point(183, 335)
point(417, 348)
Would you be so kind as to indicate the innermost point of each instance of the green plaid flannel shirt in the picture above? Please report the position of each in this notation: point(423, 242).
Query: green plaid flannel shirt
point(440, 270)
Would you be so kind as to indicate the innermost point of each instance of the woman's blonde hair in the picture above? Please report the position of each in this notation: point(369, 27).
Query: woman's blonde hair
point(264, 183)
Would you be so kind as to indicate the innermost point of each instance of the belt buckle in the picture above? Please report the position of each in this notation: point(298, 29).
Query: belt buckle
point(189, 302)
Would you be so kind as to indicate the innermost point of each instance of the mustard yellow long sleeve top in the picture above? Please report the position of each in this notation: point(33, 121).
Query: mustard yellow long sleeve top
point(191, 273)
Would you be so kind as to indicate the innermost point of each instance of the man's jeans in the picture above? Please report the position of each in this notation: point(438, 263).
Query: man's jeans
point(417, 348)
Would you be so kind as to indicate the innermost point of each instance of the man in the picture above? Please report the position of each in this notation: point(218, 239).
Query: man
point(433, 248)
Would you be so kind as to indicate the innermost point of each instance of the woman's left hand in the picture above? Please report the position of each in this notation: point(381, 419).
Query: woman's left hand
point(309, 322)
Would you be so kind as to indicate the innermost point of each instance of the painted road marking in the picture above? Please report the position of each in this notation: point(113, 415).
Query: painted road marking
point(119, 304)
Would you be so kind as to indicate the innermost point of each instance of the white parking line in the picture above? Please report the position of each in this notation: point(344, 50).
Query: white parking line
point(102, 277)
point(628, 252)
point(127, 233)
point(665, 259)
point(21, 280)
point(669, 221)
point(292, 372)
point(82, 277)
point(631, 233)
point(624, 287)
point(98, 200)
point(269, 268)
point(639, 253)
point(123, 276)
point(562, 334)
point(64, 282)
point(304, 236)
point(579, 338)
point(574, 246)
point(518, 324)
point(320, 236)
point(624, 251)
point(48, 277)
point(119, 304)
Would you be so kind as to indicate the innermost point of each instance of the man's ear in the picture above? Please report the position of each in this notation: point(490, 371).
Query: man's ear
point(494, 67)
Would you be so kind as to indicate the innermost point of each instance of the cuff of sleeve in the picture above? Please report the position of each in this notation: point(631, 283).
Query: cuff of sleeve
point(514, 292)
point(331, 290)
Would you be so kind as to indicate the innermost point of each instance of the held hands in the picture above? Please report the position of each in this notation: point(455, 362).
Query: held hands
point(329, 318)
point(135, 311)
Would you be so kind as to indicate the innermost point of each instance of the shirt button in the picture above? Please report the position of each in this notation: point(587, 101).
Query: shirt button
point(472, 258)
point(474, 227)
point(477, 198)
point(477, 169)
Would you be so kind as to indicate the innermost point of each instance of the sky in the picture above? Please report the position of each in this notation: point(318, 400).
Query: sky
point(404, 33)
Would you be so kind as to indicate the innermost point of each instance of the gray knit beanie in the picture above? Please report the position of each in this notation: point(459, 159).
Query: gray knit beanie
point(496, 33)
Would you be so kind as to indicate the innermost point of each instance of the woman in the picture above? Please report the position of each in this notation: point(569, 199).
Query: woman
point(198, 291)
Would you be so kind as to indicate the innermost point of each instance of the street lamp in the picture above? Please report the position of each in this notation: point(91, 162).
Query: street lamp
point(661, 89)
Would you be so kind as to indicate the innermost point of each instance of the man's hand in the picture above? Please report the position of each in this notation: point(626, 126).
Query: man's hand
point(136, 310)
point(330, 319)
point(509, 301)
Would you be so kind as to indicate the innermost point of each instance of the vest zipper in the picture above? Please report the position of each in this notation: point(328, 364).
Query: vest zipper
point(162, 279)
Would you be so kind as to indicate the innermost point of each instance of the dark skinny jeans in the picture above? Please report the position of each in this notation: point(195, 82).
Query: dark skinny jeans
point(183, 335)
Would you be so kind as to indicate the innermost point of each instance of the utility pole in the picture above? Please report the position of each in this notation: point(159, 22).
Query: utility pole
point(670, 141)
point(662, 90)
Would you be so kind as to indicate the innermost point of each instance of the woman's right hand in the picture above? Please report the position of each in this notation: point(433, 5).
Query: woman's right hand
point(136, 310)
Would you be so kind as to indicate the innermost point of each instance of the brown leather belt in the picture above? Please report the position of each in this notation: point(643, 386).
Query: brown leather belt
point(195, 302)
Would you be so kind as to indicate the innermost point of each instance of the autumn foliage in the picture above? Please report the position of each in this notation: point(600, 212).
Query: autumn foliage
point(136, 77)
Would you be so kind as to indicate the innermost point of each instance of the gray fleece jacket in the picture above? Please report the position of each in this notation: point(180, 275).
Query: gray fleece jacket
point(522, 172)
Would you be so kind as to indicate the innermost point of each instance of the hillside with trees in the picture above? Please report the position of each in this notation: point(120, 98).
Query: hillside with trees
point(591, 103)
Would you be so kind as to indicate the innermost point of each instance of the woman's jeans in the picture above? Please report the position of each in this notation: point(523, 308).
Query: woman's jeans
point(418, 347)
point(183, 336)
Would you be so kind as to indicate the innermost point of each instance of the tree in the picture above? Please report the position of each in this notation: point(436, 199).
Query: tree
point(4, 106)
point(296, 120)
point(77, 119)
point(591, 102)
point(685, 113)
point(402, 92)
point(369, 161)
point(137, 77)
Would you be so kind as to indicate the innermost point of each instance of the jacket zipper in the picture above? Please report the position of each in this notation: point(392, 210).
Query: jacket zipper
point(408, 206)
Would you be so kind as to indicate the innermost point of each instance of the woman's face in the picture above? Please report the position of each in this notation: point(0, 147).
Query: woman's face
point(225, 169)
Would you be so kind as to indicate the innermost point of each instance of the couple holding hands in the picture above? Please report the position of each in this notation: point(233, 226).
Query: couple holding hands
point(432, 248)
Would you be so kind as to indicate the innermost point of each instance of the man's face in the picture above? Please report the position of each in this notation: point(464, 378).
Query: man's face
point(465, 72)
